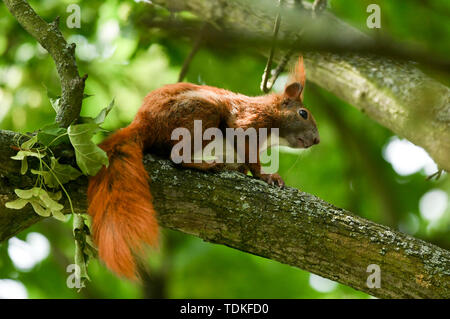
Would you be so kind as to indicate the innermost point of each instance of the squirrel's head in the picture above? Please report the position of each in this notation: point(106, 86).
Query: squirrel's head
point(297, 125)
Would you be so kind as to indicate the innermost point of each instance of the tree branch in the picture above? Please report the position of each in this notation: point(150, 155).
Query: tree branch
point(323, 32)
point(286, 225)
point(396, 94)
point(192, 53)
point(51, 38)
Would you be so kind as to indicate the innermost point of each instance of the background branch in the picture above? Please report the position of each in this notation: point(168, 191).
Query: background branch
point(396, 94)
point(196, 46)
point(250, 24)
point(286, 225)
point(363, 159)
point(51, 38)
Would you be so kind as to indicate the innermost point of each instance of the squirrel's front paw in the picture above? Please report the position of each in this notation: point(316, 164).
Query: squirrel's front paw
point(273, 179)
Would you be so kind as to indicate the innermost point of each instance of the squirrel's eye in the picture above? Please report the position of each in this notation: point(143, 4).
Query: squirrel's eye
point(303, 114)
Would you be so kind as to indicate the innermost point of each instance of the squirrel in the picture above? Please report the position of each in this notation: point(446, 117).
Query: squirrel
point(119, 198)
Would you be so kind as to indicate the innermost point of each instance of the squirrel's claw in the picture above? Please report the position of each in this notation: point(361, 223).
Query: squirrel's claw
point(273, 179)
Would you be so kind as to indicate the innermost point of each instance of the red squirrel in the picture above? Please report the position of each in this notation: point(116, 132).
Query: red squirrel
point(119, 197)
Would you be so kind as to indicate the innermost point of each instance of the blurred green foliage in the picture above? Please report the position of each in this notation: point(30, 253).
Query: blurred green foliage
point(125, 60)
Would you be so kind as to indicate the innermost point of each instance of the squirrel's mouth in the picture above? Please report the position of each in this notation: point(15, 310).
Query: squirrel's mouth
point(301, 143)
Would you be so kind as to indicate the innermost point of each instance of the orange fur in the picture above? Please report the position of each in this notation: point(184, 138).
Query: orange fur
point(120, 204)
point(298, 74)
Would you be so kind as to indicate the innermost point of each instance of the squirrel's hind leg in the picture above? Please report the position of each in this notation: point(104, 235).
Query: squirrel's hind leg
point(215, 167)
point(204, 166)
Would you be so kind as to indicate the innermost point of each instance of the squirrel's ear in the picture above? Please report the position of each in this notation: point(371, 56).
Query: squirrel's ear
point(293, 91)
point(298, 74)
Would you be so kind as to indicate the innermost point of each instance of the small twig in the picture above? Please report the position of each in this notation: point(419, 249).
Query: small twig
point(268, 67)
point(435, 175)
point(280, 68)
point(267, 84)
point(282, 65)
point(194, 50)
point(318, 6)
point(51, 38)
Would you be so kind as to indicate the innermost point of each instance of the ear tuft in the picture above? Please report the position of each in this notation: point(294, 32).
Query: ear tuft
point(293, 91)
point(297, 74)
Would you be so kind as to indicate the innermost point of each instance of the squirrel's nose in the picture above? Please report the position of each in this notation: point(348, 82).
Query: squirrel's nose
point(316, 140)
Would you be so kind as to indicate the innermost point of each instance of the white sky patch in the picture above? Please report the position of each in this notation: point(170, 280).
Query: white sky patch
point(5, 103)
point(26, 254)
point(433, 204)
point(11, 76)
point(85, 50)
point(410, 225)
point(25, 52)
point(280, 83)
point(146, 1)
point(12, 289)
point(321, 284)
point(407, 158)
point(106, 35)
point(108, 31)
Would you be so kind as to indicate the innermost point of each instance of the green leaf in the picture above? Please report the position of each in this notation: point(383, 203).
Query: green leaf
point(90, 158)
point(59, 216)
point(48, 202)
point(100, 118)
point(56, 196)
point(86, 120)
point(24, 167)
point(22, 154)
point(103, 113)
point(48, 177)
point(64, 173)
point(41, 211)
point(29, 144)
point(83, 251)
point(44, 203)
point(17, 204)
point(87, 221)
point(26, 193)
point(52, 134)
point(90, 242)
point(54, 100)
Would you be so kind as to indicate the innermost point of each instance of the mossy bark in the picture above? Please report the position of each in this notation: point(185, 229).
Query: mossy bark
point(285, 225)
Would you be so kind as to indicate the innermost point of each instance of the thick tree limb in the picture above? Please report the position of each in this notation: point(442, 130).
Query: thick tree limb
point(396, 94)
point(286, 225)
point(51, 38)
point(323, 31)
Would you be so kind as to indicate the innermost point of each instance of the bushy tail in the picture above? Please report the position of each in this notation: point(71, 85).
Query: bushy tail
point(120, 203)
